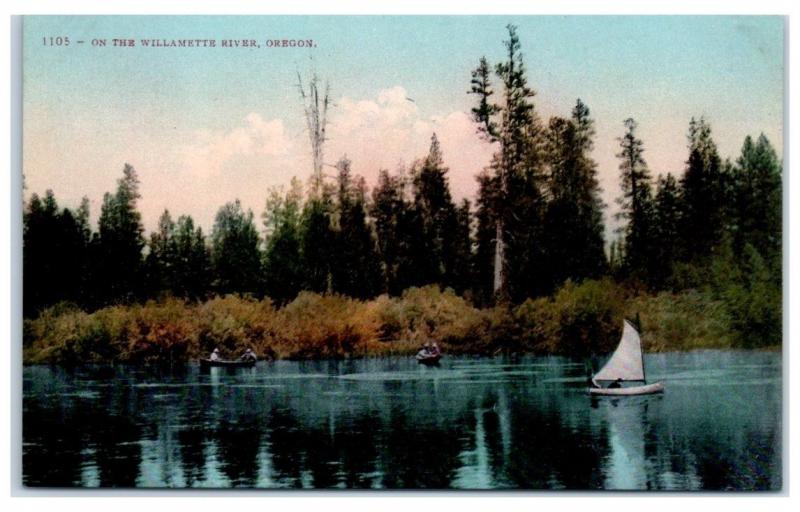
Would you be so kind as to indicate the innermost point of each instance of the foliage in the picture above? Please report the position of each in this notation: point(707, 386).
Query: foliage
point(524, 269)
point(282, 270)
point(636, 204)
point(235, 250)
point(355, 268)
point(56, 246)
point(703, 193)
point(117, 256)
point(573, 218)
point(579, 320)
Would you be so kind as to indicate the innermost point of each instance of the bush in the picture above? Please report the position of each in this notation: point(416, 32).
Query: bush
point(233, 324)
point(578, 320)
point(685, 321)
point(755, 303)
point(325, 326)
point(581, 319)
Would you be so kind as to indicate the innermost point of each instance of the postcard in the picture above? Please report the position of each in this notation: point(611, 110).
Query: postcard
point(533, 253)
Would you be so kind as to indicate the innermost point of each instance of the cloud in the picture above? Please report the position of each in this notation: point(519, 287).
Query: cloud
point(389, 129)
point(212, 150)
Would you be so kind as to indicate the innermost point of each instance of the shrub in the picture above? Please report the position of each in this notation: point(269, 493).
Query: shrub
point(685, 321)
point(578, 320)
point(325, 326)
point(755, 303)
point(585, 318)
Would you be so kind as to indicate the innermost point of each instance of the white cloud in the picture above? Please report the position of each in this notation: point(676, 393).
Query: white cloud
point(389, 129)
point(211, 150)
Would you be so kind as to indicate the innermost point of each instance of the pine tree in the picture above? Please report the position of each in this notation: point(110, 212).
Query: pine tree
point(636, 203)
point(387, 209)
point(54, 253)
point(402, 246)
point(437, 213)
point(161, 261)
point(355, 265)
point(520, 174)
point(235, 251)
point(517, 166)
point(461, 277)
point(118, 256)
point(193, 270)
point(485, 232)
point(757, 199)
point(666, 228)
point(316, 240)
point(573, 223)
point(703, 198)
point(282, 271)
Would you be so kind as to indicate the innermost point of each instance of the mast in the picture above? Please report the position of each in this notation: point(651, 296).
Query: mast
point(641, 349)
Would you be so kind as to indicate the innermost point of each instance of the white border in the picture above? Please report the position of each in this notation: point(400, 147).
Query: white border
point(11, 254)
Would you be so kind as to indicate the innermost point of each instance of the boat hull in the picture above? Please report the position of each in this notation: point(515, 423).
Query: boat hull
point(208, 363)
point(647, 389)
point(429, 360)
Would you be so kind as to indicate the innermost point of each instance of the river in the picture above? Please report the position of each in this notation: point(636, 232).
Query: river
point(472, 423)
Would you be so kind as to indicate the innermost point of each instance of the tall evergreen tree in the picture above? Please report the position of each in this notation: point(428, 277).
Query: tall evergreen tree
point(192, 272)
point(636, 203)
point(666, 229)
point(520, 169)
point(282, 271)
point(235, 251)
point(118, 256)
point(436, 210)
point(161, 261)
point(462, 274)
point(485, 232)
point(54, 253)
point(316, 240)
point(355, 265)
point(757, 199)
point(388, 208)
point(519, 255)
point(703, 193)
point(402, 245)
point(573, 223)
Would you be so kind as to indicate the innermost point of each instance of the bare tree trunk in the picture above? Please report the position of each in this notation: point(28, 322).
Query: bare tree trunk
point(499, 259)
point(316, 114)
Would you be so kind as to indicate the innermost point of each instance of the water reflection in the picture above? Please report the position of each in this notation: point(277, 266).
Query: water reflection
point(387, 423)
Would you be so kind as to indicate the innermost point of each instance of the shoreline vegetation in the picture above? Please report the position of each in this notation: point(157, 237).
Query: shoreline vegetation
point(578, 321)
point(339, 269)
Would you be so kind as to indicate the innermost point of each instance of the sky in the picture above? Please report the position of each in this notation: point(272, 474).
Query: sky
point(205, 126)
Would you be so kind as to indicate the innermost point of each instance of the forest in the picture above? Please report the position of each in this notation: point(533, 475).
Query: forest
point(336, 269)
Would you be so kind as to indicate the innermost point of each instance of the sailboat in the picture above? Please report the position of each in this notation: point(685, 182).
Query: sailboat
point(625, 365)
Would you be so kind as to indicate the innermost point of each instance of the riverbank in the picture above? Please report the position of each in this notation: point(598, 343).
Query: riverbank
point(578, 320)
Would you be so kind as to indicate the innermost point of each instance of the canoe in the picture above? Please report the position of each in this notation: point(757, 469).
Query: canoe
point(647, 389)
point(221, 363)
point(429, 359)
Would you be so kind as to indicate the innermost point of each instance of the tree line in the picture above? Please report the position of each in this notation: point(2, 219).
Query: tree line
point(536, 223)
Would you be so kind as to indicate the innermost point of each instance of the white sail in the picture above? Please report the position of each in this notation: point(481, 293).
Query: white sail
point(626, 361)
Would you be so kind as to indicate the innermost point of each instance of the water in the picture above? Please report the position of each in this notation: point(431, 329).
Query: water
point(388, 423)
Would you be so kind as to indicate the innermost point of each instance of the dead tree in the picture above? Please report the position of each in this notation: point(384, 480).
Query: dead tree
point(315, 108)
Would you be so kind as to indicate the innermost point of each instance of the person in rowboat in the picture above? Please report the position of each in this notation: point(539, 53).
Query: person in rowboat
point(425, 351)
point(214, 355)
point(249, 355)
point(616, 384)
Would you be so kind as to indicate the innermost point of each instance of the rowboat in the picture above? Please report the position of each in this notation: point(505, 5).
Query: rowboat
point(625, 365)
point(222, 363)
